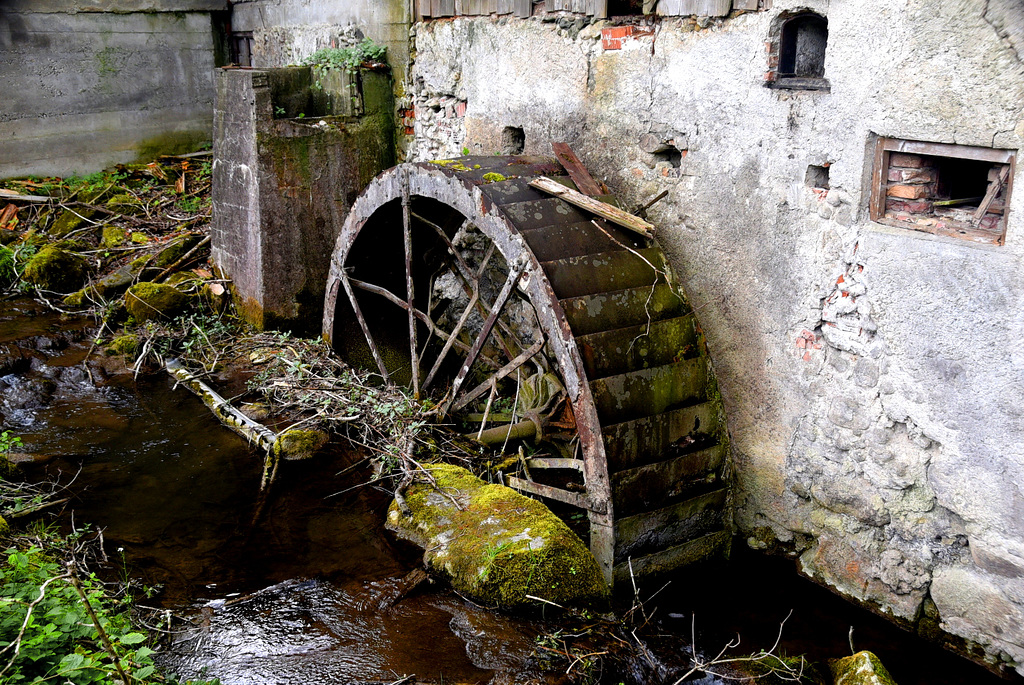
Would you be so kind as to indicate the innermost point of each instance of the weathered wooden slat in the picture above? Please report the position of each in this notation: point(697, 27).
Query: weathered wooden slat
point(993, 189)
point(576, 240)
point(613, 214)
point(523, 8)
point(744, 4)
point(647, 392)
point(585, 183)
point(659, 438)
point(554, 463)
point(638, 347)
point(623, 308)
point(606, 272)
point(656, 485)
point(548, 212)
point(600, 9)
point(669, 526)
point(917, 147)
point(12, 195)
point(557, 494)
point(686, 554)
point(713, 8)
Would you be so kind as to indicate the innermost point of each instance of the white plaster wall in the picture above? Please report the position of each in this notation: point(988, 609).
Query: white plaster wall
point(886, 450)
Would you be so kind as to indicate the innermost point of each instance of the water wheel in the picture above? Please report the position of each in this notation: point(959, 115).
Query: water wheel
point(509, 305)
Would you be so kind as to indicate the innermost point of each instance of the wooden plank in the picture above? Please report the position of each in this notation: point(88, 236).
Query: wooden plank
point(917, 147)
point(422, 9)
point(586, 183)
point(12, 195)
point(523, 8)
point(708, 547)
point(993, 189)
point(671, 525)
point(879, 174)
point(554, 463)
point(603, 209)
point(557, 494)
point(744, 5)
point(601, 9)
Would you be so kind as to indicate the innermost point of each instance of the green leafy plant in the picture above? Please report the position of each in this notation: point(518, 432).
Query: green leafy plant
point(350, 58)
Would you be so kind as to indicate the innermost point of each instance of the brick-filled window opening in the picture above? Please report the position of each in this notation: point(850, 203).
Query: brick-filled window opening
point(950, 190)
point(796, 52)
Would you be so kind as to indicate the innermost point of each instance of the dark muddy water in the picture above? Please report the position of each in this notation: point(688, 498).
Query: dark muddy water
point(304, 593)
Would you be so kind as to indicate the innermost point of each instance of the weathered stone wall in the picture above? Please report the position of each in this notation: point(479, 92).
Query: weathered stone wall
point(284, 177)
point(287, 31)
point(91, 84)
point(872, 376)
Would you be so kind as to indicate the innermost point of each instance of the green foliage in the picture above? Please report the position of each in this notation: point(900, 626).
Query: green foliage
point(8, 273)
point(350, 58)
point(8, 442)
point(46, 623)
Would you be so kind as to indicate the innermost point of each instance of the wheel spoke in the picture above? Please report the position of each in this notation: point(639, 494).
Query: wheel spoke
point(409, 293)
point(479, 390)
point(345, 281)
point(506, 291)
point(451, 339)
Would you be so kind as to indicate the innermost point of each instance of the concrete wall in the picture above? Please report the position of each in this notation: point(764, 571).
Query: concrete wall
point(90, 84)
point(881, 443)
point(287, 31)
point(283, 184)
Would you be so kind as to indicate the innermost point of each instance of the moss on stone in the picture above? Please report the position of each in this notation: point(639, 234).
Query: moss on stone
point(863, 668)
point(55, 268)
point(139, 238)
point(139, 263)
point(5, 528)
point(492, 177)
point(146, 301)
point(500, 546)
point(75, 299)
point(298, 444)
point(175, 250)
point(113, 236)
point(124, 345)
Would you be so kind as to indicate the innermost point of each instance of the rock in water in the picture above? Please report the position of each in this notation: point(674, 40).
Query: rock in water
point(863, 668)
point(496, 546)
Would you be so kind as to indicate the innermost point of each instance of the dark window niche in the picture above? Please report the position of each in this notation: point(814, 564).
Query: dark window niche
point(956, 191)
point(816, 176)
point(241, 49)
point(671, 155)
point(513, 140)
point(797, 52)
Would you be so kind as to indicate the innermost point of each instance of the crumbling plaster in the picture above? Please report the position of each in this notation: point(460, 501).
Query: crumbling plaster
point(872, 376)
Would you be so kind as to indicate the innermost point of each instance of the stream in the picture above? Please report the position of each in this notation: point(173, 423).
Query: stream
point(309, 592)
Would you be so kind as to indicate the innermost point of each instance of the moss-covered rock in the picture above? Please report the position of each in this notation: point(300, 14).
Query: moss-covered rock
point(863, 668)
point(146, 301)
point(5, 528)
point(76, 299)
point(497, 546)
point(175, 250)
point(298, 444)
point(124, 345)
point(113, 236)
point(55, 268)
point(139, 238)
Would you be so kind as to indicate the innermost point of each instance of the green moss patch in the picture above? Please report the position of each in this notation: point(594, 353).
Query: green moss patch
point(146, 301)
point(863, 668)
point(175, 250)
point(497, 546)
point(299, 444)
point(57, 269)
point(124, 345)
point(113, 236)
point(492, 177)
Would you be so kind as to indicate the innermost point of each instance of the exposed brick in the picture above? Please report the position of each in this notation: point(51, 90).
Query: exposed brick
point(904, 159)
point(460, 109)
point(894, 205)
point(907, 192)
point(923, 175)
